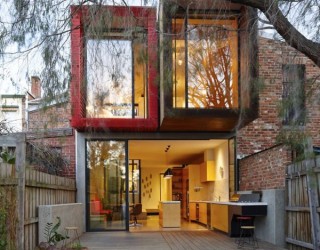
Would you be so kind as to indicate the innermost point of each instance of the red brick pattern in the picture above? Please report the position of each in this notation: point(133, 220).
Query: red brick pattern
point(55, 117)
point(266, 170)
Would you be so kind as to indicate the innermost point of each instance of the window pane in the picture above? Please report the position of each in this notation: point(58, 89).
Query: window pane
point(140, 78)
point(212, 63)
point(293, 96)
point(109, 78)
point(106, 185)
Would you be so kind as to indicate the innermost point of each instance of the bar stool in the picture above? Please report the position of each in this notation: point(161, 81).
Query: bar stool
point(247, 236)
point(243, 221)
point(74, 231)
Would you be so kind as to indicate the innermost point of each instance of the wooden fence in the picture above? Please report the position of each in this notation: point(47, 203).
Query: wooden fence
point(302, 209)
point(32, 188)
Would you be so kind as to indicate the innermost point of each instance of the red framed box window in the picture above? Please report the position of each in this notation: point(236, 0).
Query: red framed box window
point(114, 52)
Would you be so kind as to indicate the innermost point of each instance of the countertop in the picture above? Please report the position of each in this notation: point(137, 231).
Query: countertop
point(233, 203)
point(170, 202)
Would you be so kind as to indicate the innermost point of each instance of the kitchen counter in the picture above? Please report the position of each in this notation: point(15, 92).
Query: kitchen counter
point(223, 214)
point(233, 203)
point(169, 214)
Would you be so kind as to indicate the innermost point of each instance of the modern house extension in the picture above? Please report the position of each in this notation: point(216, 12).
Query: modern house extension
point(157, 97)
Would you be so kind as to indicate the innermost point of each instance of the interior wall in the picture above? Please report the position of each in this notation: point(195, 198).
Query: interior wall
point(219, 189)
point(150, 187)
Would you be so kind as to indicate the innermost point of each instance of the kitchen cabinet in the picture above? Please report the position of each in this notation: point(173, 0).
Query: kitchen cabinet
point(169, 214)
point(203, 212)
point(207, 171)
point(193, 211)
point(219, 217)
point(177, 184)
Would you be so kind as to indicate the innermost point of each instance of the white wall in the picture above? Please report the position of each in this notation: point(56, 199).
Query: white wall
point(150, 187)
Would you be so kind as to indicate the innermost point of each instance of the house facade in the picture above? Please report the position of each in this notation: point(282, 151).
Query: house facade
point(140, 80)
point(187, 75)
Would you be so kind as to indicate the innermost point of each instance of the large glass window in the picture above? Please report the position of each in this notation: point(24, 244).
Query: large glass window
point(116, 76)
point(106, 168)
point(205, 63)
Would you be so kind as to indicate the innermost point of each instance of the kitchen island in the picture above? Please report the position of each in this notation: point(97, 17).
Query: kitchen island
point(223, 215)
point(169, 214)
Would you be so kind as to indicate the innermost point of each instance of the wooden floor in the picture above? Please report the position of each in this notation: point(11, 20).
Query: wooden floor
point(149, 235)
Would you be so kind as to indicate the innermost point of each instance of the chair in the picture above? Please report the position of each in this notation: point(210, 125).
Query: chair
point(247, 236)
point(136, 210)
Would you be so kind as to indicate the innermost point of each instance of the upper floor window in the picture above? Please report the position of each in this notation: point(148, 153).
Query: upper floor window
point(293, 96)
point(205, 62)
point(116, 75)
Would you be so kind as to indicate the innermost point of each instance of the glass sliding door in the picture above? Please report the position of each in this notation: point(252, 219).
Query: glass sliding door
point(106, 185)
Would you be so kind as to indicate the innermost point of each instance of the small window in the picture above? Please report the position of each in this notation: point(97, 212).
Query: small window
point(293, 97)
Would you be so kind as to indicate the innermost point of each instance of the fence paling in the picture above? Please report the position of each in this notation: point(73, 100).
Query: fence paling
point(302, 186)
point(39, 189)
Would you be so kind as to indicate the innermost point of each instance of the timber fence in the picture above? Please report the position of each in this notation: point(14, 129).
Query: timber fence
point(22, 190)
point(302, 205)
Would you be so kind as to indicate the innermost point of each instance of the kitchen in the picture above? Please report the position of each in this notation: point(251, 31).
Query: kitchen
point(203, 179)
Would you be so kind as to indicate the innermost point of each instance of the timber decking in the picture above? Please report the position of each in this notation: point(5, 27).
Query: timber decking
point(174, 240)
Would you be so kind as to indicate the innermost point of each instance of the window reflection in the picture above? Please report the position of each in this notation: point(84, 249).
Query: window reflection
point(106, 185)
point(116, 78)
point(208, 76)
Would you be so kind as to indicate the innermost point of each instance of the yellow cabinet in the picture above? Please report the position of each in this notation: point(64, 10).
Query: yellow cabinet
point(219, 217)
point(207, 171)
point(192, 211)
point(203, 213)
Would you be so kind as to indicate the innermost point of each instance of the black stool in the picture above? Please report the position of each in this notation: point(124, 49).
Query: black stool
point(247, 236)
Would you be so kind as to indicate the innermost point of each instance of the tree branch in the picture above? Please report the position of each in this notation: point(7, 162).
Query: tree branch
point(281, 24)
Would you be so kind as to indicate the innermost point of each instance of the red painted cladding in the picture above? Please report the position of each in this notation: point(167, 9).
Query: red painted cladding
point(79, 121)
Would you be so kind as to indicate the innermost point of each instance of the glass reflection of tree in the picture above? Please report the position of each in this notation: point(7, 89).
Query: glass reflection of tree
point(109, 76)
point(209, 68)
point(105, 162)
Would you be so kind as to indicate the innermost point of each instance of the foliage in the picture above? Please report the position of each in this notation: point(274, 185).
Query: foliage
point(3, 228)
point(8, 157)
point(46, 158)
point(4, 129)
point(75, 245)
point(51, 234)
point(44, 26)
point(8, 218)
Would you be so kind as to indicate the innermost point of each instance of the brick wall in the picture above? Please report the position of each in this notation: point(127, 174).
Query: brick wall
point(48, 123)
point(266, 169)
point(56, 116)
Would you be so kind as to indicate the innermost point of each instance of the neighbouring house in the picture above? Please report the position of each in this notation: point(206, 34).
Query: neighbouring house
point(51, 141)
point(288, 108)
point(12, 112)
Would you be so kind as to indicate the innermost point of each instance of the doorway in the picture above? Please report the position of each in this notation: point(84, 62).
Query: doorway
point(125, 171)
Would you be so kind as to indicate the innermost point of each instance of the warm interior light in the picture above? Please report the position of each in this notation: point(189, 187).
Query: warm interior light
point(180, 62)
point(168, 173)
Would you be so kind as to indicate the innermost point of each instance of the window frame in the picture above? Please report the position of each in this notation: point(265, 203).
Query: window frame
point(209, 19)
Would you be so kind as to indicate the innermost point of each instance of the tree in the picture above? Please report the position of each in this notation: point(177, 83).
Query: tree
point(43, 25)
point(273, 10)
